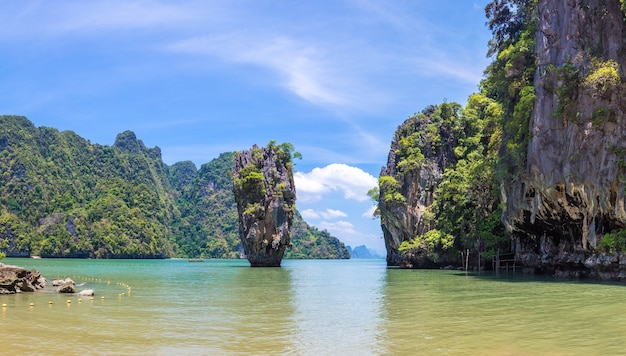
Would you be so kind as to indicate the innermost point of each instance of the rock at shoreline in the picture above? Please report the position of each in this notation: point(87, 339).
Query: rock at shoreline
point(265, 194)
point(14, 279)
point(68, 286)
point(86, 292)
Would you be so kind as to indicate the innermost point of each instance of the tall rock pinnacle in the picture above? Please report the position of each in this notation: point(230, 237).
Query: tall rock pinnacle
point(265, 194)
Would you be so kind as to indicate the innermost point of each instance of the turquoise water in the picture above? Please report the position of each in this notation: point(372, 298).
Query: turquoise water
point(355, 307)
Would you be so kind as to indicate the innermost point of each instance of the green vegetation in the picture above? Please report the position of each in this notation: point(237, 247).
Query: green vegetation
point(614, 241)
point(61, 196)
point(603, 77)
point(389, 186)
point(469, 153)
point(509, 78)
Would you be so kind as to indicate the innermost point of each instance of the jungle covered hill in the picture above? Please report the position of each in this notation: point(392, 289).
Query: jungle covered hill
point(62, 196)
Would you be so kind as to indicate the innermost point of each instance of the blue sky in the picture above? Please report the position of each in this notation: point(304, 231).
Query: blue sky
point(198, 78)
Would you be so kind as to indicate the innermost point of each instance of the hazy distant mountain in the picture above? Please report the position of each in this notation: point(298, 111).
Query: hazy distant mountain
point(363, 252)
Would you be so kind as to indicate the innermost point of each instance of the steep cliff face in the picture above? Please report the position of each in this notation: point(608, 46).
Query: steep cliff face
point(572, 192)
point(265, 194)
point(420, 151)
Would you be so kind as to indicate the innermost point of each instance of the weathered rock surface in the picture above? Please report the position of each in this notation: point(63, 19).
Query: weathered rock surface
point(14, 279)
point(68, 286)
point(572, 191)
point(404, 220)
point(265, 195)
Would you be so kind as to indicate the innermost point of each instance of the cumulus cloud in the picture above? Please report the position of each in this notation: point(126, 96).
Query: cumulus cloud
point(327, 214)
point(339, 228)
point(351, 181)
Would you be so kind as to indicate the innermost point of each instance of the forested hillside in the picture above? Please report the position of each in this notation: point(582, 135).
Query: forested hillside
point(61, 196)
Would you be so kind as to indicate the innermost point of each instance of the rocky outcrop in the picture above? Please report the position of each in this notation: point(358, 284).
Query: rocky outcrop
point(15, 279)
point(265, 195)
point(67, 286)
point(408, 183)
point(572, 192)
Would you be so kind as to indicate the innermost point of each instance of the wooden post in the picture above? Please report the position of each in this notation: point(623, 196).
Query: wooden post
point(498, 260)
point(467, 260)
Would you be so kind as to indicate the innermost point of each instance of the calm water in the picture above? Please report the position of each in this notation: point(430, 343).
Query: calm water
point(356, 307)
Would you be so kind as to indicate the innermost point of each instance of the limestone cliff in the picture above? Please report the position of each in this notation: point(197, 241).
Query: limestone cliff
point(571, 193)
point(265, 195)
point(420, 151)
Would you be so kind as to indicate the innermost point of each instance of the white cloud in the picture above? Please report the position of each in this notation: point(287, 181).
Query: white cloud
point(333, 214)
point(327, 214)
point(309, 214)
point(49, 19)
point(300, 65)
point(339, 228)
point(369, 213)
point(439, 66)
point(351, 181)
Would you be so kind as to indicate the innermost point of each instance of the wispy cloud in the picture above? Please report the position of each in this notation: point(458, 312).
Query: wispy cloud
point(456, 68)
point(46, 19)
point(300, 66)
point(369, 213)
point(351, 181)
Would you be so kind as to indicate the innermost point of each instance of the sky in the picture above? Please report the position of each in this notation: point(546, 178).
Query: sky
point(197, 78)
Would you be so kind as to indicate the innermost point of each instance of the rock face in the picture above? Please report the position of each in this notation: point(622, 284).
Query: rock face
point(15, 279)
point(403, 216)
point(572, 192)
point(265, 195)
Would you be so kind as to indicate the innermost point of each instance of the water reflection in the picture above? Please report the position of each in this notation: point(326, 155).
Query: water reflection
point(258, 310)
point(444, 312)
point(338, 306)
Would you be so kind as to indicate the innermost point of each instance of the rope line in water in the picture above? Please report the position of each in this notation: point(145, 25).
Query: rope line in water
point(80, 300)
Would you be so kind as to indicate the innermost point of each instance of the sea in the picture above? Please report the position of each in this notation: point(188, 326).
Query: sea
point(307, 307)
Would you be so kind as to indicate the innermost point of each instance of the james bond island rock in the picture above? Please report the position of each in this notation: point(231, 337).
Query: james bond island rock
point(265, 195)
point(565, 204)
point(15, 279)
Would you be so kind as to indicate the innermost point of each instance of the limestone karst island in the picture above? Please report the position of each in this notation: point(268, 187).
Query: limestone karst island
point(531, 171)
point(528, 174)
point(445, 202)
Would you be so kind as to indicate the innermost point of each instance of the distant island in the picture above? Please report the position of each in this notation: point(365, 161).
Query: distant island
point(62, 196)
point(363, 252)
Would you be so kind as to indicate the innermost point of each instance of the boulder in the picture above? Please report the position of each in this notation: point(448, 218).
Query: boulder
point(67, 287)
point(14, 279)
point(86, 292)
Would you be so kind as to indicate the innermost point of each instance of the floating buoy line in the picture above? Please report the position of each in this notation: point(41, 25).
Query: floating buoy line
point(127, 293)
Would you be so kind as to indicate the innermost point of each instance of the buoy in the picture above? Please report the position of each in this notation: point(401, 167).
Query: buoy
point(50, 302)
point(92, 298)
point(102, 297)
point(32, 304)
point(4, 305)
point(69, 301)
point(80, 300)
